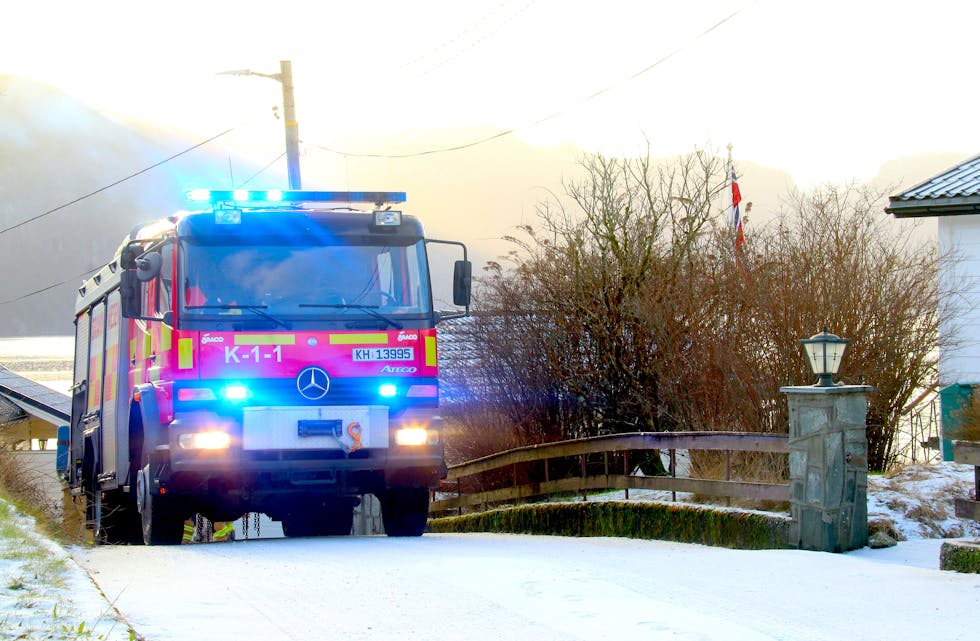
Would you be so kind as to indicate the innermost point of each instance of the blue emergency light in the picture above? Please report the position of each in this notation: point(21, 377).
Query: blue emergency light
point(216, 196)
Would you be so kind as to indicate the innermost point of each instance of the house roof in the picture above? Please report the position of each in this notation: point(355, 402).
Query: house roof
point(34, 398)
point(956, 191)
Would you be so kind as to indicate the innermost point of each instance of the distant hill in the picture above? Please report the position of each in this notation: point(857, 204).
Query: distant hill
point(54, 149)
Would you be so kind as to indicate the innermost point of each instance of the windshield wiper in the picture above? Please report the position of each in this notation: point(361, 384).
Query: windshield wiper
point(258, 310)
point(370, 309)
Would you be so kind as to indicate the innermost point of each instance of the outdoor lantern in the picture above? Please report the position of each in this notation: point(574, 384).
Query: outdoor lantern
point(824, 350)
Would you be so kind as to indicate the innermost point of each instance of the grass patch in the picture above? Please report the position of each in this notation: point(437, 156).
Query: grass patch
point(665, 522)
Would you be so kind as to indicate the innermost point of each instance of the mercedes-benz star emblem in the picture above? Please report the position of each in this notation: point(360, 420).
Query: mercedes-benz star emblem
point(313, 383)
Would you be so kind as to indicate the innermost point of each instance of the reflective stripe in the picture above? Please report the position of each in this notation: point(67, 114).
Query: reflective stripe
point(359, 339)
point(224, 532)
point(185, 353)
point(431, 355)
point(265, 339)
point(166, 338)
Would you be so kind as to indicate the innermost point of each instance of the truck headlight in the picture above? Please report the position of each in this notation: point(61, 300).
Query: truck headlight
point(216, 440)
point(416, 436)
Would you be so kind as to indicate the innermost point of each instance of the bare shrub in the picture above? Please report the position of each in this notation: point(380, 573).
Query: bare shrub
point(627, 309)
point(25, 488)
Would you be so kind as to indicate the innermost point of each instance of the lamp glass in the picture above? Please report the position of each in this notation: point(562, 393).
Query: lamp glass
point(824, 351)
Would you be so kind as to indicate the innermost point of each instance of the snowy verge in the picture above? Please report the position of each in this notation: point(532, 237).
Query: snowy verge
point(43, 591)
point(917, 501)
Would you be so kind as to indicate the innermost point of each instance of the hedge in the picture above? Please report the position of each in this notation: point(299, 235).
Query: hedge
point(639, 520)
point(960, 556)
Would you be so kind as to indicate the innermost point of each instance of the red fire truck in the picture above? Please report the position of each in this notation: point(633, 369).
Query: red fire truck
point(269, 352)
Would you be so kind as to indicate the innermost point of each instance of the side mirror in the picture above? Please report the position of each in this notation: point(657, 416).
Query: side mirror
point(462, 283)
point(127, 258)
point(148, 266)
point(129, 294)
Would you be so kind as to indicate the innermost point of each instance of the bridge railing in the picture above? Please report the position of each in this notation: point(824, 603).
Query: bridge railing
point(464, 486)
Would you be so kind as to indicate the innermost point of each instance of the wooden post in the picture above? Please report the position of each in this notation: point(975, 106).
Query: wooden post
point(626, 473)
point(514, 484)
point(581, 459)
point(673, 472)
point(728, 473)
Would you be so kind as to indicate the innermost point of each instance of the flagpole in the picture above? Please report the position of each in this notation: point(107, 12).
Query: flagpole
point(735, 219)
point(728, 175)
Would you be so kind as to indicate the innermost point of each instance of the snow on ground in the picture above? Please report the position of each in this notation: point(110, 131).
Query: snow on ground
point(487, 587)
point(477, 587)
point(43, 591)
point(918, 500)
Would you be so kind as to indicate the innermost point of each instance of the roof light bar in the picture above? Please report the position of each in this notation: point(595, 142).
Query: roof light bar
point(294, 196)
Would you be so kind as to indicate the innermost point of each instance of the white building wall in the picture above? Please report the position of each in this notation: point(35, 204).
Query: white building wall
point(959, 237)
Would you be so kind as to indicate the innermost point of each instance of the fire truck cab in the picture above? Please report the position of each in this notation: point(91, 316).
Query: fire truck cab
point(264, 353)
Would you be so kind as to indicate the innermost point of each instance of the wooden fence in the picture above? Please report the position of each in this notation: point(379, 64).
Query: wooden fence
point(469, 494)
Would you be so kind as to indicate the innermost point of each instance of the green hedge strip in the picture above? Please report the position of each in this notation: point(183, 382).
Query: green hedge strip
point(960, 556)
point(638, 520)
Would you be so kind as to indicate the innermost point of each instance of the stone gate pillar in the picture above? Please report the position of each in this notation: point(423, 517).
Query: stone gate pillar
point(828, 467)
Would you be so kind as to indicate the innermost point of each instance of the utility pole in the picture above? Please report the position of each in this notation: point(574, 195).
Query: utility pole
point(285, 78)
point(292, 127)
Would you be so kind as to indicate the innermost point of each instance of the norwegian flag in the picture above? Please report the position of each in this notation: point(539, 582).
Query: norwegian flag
point(736, 212)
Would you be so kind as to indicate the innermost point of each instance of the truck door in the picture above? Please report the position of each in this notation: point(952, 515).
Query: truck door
point(115, 395)
point(92, 420)
point(79, 396)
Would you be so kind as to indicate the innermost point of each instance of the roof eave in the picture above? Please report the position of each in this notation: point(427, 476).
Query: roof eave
point(957, 206)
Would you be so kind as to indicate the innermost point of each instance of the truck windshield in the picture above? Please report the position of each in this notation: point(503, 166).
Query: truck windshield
point(291, 282)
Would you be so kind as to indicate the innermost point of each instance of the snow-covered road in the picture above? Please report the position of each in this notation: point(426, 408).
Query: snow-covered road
point(493, 587)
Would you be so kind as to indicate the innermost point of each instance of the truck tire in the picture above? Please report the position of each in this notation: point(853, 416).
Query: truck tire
point(405, 511)
point(161, 521)
point(117, 519)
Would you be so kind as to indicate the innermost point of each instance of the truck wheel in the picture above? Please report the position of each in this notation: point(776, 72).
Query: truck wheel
point(162, 523)
point(117, 519)
point(339, 520)
point(405, 511)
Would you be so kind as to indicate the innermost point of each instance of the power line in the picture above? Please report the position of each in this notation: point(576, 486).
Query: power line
point(452, 40)
point(85, 274)
point(133, 175)
point(121, 180)
point(474, 143)
point(476, 42)
point(545, 119)
point(261, 171)
point(44, 289)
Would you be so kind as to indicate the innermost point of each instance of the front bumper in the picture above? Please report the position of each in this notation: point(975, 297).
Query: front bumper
point(327, 463)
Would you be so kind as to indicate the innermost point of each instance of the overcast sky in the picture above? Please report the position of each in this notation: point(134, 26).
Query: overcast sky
point(826, 91)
